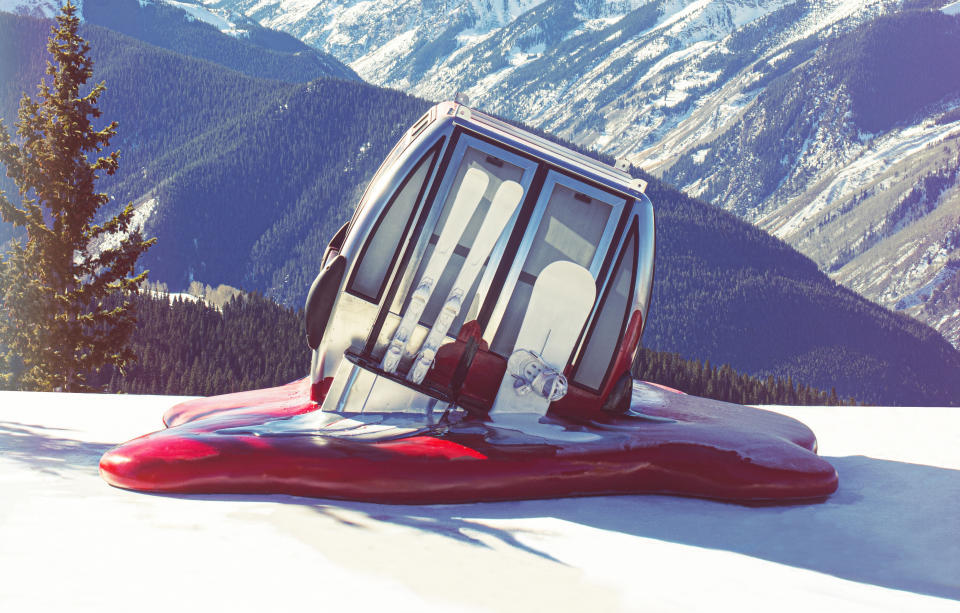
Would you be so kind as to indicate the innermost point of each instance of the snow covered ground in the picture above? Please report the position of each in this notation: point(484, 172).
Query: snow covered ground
point(888, 540)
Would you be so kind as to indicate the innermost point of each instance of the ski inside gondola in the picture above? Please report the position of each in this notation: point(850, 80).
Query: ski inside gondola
point(502, 207)
point(472, 188)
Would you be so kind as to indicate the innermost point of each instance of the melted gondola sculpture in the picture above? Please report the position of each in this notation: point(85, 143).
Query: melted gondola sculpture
point(473, 328)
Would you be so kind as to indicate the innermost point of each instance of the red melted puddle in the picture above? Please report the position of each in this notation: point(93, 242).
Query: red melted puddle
point(247, 443)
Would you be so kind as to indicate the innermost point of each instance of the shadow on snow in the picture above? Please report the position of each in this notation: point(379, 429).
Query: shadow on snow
point(47, 450)
point(890, 524)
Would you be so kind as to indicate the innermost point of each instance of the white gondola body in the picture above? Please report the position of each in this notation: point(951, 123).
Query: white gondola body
point(423, 294)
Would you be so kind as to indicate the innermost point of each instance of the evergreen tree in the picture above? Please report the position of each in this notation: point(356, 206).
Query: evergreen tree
point(65, 291)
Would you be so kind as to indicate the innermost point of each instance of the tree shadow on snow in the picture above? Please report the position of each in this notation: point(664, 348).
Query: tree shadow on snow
point(890, 524)
point(47, 450)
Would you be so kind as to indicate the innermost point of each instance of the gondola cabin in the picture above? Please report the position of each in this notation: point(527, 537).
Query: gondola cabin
point(485, 270)
point(473, 328)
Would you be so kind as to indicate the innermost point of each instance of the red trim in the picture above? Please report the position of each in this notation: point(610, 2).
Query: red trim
point(626, 353)
point(666, 388)
point(318, 391)
point(581, 403)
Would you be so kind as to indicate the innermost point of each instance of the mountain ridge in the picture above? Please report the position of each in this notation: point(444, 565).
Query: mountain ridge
point(870, 191)
point(228, 39)
point(724, 291)
point(656, 81)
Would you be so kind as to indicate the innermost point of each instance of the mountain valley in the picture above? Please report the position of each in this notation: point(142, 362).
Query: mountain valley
point(675, 87)
point(245, 179)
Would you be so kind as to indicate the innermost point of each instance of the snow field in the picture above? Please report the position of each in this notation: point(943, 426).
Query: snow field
point(886, 541)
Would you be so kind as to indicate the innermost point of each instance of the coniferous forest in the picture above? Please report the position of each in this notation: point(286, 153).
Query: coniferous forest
point(724, 383)
point(187, 347)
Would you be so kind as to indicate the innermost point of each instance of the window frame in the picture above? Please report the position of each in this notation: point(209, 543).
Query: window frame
point(430, 156)
point(632, 234)
point(555, 176)
point(498, 150)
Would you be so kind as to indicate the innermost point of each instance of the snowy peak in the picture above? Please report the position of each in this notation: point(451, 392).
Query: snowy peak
point(37, 8)
point(618, 75)
point(228, 22)
point(197, 30)
point(851, 155)
point(497, 13)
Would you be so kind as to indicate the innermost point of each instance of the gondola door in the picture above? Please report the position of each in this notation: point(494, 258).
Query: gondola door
point(500, 178)
point(573, 221)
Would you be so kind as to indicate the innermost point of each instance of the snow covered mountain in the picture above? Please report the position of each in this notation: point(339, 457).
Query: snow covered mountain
point(217, 35)
point(740, 102)
point(226, 21)
point(613, 74)
point(34, 8)
point(677, 86)
point(852, 157)
point(247, 193)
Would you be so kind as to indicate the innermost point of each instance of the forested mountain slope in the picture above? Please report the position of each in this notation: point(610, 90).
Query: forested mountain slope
point(188, 347)
point(845, 108)
point(227, 39)
point(729, 291)
point(249, 342)
point(852, 156)
point(160, 99)
point(249, 198)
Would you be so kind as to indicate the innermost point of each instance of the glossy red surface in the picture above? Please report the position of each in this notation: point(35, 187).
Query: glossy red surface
point(482, 380)
point(626, 352)
point(712, 449)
